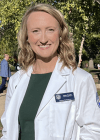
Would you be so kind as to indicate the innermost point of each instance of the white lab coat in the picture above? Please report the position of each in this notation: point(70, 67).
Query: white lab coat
point(67, 120)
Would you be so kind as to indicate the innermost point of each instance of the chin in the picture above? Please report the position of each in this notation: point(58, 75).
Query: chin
point(46, 58)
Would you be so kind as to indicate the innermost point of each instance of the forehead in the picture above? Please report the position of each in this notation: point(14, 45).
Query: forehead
point(41, 18)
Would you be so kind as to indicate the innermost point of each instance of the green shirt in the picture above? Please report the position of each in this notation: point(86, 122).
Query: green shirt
point(30, 104)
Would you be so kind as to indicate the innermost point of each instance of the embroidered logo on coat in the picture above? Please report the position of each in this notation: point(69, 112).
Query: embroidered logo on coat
point(64, 97)
point(97, 100)
point(58, 97)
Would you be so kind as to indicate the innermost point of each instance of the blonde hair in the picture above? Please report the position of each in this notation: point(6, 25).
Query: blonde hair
point(66, 51)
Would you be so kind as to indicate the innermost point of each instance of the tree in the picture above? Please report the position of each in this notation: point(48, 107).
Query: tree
point(11, 13)
point(83, 18)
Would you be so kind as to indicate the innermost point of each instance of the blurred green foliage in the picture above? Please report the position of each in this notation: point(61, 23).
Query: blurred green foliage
point(99, 92)
point(82, 17)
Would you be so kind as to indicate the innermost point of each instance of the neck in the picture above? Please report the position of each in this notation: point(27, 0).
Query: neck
point(44, 66)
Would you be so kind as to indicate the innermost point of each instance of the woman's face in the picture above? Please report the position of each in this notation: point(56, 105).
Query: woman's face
point(43, 34)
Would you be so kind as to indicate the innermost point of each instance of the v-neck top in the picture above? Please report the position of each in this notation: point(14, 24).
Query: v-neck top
point(30, 104)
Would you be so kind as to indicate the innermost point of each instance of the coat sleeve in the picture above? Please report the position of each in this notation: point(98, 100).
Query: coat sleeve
point(13, 81)
point(3, 118)
point(88, 114)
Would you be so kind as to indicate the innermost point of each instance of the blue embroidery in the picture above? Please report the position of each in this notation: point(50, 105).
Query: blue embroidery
point(97, 100)
point(64, 97)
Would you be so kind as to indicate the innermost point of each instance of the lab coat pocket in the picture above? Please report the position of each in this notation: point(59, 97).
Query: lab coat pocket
point(59, 112)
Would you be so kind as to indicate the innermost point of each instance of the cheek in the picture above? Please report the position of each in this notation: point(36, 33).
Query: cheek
point(55, 38)
point(31, 39)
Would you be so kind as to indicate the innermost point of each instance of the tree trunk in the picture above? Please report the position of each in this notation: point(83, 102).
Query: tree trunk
point(80, 51)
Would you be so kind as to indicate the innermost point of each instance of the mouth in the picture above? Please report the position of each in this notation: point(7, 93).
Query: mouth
point(44, 46)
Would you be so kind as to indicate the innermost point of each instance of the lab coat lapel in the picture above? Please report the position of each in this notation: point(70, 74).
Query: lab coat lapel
point(56, 81)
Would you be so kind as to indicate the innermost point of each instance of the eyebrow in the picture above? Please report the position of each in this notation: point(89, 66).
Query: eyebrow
point(46, 27)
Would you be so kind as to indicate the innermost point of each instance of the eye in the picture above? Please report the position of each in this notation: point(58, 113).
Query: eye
point(35, 31)
point(51, 30)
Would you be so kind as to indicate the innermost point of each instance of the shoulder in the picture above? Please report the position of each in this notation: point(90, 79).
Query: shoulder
point(21, 73)
point(82, 75)
point(4, 61)
point(17, 75)
point(15, 78)
point(78, 73)
point(81, 72)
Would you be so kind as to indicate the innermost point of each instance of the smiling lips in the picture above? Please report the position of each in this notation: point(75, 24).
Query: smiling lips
point(44, 46)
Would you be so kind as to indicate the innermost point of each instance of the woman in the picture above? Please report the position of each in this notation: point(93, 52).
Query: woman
point(50, 98)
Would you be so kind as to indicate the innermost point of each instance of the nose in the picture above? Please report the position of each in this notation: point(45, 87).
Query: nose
point(44, 43)
point(43, 39)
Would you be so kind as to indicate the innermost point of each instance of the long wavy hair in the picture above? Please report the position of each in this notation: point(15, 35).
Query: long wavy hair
point(66, 51)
